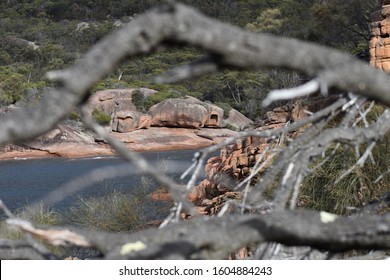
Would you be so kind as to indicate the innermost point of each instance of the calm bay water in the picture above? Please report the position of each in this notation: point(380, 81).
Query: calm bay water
point(23, 182)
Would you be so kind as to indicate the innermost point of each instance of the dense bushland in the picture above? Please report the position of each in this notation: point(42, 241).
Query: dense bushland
point(38, 36)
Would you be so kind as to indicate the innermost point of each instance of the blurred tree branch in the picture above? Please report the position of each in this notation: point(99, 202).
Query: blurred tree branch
point(228, 47)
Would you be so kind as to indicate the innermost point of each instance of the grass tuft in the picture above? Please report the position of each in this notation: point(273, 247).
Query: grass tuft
point(323, 190)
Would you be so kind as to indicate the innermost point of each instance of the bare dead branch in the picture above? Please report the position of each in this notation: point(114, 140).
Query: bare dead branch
point(19, 250)
point(228, 47)
point(274, 133)
point(56, 237)
point(315, 145)
point(177, 192)
point(193, 239)
point(191, 71)
point(6, 210)
point(287, 94)
point(359, 163)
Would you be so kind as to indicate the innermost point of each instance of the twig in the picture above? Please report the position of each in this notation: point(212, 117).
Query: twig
point(359, 163)
point(353, 100)
point(294, 196)
point(257, 169)
point(380, 177)
point(274, 133)
point(199, 158)
point(140, 163)
point(61, 237)
point(196, 69)
point(364, 114)
point(6, 210)
point(192, 238)
point(286, 94)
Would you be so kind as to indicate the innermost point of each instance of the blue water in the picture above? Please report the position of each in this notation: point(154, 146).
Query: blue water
point(24, 182)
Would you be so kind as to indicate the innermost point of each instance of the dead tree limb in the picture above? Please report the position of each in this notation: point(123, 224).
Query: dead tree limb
point(228, 47)
point(217, 237)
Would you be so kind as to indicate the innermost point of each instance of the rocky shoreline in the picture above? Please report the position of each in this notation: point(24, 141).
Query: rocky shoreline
point(173, 124)
point(66, 141)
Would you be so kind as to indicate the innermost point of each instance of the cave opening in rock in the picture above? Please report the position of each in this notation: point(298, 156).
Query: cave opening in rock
point(214, 119)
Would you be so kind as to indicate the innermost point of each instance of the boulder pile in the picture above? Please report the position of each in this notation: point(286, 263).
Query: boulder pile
point(237, 161)
point(175, 112)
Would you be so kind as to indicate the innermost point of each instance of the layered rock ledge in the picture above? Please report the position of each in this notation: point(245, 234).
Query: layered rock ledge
point(173, 124)
point(69, 142)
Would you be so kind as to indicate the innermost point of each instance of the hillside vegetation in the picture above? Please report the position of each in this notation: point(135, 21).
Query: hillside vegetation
point(310, 182)
point(38, 36)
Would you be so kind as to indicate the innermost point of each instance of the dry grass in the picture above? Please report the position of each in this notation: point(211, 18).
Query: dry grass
point(323, 190)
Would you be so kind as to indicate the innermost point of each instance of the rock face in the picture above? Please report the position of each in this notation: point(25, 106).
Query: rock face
point(380, 38)
point(68, 140)
point(126, 121)
point(111, 101)
point(185, 113)
point(193, 121)
point(237, 120)
point(214, 115)
point(166, 139)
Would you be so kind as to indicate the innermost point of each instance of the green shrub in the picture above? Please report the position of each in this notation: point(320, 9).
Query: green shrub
point(12, 87)
point(231, 127)
point(138, 100)
point(101, 117)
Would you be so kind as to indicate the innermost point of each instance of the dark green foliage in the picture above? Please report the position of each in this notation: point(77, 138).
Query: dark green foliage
point(12, 85)
point(138, 100)
point(337, 23)
point(101, 117)
point(110, 83)
point(52, 26)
